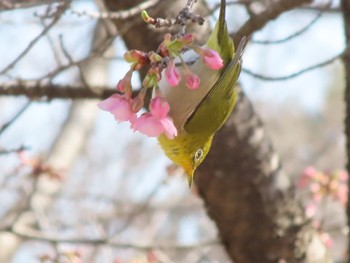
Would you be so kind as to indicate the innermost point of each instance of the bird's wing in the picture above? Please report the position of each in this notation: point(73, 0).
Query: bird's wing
point(184, 101)
point(213, 110)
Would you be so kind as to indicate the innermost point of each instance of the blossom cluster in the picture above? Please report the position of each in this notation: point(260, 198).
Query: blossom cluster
point(323, 186)
point(125, 107)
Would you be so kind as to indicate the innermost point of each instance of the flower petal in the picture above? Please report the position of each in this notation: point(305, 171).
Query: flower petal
point(169, 128)
point(119, 107)
point(159, 107)
point(212, 59)
point(124, 85)
point(192, 81)
point(148, 125)
point(172, 74)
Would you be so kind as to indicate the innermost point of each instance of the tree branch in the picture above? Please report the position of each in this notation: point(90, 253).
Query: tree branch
point(294, 74)
point(56, 17)
point(124, 14)
point(20, 4)
point(35, 91)
point(35, 235)
point(272, 12)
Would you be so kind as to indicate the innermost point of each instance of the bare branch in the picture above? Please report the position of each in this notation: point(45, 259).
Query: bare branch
point(14, 118)
point(60, 10)
point(295, 74)
point(19, 4)
point(19, 149)
point(184, 15)
point(259, 21)
point(117, 15)
point(36, 91)
point(294, 35)
point(35, 235)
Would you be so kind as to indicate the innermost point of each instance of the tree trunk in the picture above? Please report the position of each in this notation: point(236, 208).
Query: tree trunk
point(241, 181)
point(346, 57)
point(250, 198)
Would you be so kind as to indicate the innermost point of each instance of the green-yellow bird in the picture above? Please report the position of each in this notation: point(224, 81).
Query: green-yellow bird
point(199, 114)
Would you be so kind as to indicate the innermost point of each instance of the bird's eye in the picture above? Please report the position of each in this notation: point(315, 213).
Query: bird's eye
point(198, 155)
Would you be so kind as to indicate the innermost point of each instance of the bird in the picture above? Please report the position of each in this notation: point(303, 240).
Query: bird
point(199, 114)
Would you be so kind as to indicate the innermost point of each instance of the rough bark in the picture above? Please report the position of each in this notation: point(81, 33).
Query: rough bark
point(346, 58)
point(250, 198)
point(241, 181)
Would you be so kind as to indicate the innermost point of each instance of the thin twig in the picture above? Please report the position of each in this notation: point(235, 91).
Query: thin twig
point(52, 91)
point(19, 149)
point(11, 5)
point(259, 21)
point(134, 214)
point(36, 235)
point(60, 10)
point(117, 15)
point(181, 19)
point(14, 118)
point(295, 74)
point(294, 35)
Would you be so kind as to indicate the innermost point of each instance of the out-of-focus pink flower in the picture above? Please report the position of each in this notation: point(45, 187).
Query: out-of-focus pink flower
point(192, 81)
point(212, 59)
point(342, 194)
point(119, 106)
point(343, 176)
point(172, 74)
point(156, 122)
point(310, 210)
point(152, 258)
point(307, 176)
point(315, 187)
point(310, 171)
point(326, 239)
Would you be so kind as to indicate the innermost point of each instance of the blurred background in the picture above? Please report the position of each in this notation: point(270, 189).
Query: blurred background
point(111, 195)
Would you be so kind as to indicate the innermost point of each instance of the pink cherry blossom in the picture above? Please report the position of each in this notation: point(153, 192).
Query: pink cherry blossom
point(169, 127)
point(212, 59)
point(192, 81)
point(310, 210)
point(119, 106)
point(172, 74)
point(124, 85)
point(156, 122)
point(307, 176)
point(343, 176)
point(159, 107)
point(148, 125)
point(342, 194)
point(326, 239)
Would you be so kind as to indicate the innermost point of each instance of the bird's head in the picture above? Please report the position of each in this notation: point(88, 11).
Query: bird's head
point(187, 151)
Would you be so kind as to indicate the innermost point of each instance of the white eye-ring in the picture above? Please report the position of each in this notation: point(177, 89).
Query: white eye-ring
point(198, 155)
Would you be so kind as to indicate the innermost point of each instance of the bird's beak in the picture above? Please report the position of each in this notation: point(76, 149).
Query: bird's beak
point(189, 174)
